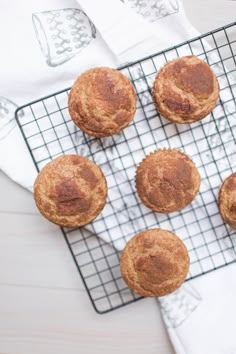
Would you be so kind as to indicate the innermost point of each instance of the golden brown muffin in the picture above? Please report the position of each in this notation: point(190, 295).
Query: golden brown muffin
point(167, 180)
point(102, 102)
point(227, 200)
point(155, 262)
point(70, 191)
point(185, 90)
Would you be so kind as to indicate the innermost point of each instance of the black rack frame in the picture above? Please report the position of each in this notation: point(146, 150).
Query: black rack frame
point(48, 132)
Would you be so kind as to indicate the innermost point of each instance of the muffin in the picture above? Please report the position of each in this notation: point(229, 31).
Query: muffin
point(185, 90)
point(70, 191)
point(227, 200)
point(102, 102)
point(167, 180)
point(155, 262)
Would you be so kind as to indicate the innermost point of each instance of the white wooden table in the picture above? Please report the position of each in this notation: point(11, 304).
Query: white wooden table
point(44, 307)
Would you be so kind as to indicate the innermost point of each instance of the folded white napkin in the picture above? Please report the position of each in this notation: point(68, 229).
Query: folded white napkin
point(200, 316)
point(44, 47)
point(140, 27)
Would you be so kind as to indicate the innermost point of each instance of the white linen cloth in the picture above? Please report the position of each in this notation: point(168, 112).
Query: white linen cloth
point(44, 47)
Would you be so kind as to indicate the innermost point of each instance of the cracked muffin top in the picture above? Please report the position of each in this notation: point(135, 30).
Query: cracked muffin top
point(70, 191)
point(155, 262)
point(227, 200)
point(185, 90)
point(102, 102)
point(167, 180)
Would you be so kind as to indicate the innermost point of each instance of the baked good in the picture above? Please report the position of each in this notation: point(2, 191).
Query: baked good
point(102, 102)
point(70, 191)
point(227, 200)
point(155, 262)
point(185, 90)
point(167, 180)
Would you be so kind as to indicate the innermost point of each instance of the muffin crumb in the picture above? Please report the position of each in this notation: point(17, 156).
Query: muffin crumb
point(102, 102)
point(155, 262)
point(167, 180)
point(70, 191)
point(185, 90)
point(227, 200)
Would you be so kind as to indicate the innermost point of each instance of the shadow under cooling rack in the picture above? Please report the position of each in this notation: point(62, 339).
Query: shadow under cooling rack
point(49, 132)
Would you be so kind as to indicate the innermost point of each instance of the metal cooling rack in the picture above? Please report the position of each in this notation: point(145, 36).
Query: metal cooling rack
point(48, 132)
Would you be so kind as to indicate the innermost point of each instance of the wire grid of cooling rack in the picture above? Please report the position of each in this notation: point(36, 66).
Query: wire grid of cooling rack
point(49, 132)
